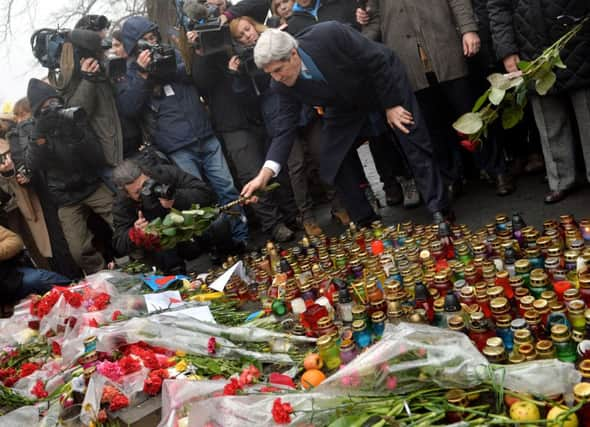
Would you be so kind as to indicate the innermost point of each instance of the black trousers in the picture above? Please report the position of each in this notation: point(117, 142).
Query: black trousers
point(389, 161)
point(245, 152)
point(442, 104)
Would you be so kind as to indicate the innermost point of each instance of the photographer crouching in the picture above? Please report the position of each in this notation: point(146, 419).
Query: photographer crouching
point(145, 195)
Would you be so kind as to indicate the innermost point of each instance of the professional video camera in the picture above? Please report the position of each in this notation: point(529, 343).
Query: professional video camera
point(89, 44)
point(47, 47)
point(197, 15)
point(154, 190)
point(163, 63)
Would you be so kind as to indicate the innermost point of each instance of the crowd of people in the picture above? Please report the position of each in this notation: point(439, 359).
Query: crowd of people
point(87, 154)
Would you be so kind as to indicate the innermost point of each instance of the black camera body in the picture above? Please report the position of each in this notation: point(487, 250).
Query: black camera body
point(155, 190)
point(71, 114)
point(163, 63)
point(197, 15)
point(247, 64)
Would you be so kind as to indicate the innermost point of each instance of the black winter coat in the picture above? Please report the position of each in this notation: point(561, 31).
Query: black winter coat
point(229, 112)
point(330, 10)
point(71, 158)
point(189, 190)
point(527, 27)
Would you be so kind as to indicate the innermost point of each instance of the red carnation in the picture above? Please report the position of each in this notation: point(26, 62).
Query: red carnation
point(56, 348)
point(152, 385)
point(27, 369)
point(10, 381)
point(129, 364)
point(116, 315)
point(6, 372)
point(39, 390)
point(232, 388)
point(101, 301)
point(281, 412)
point(102, 416)
point(211, 345)
point(93, 323)
point(162, 373)
point(119, 401)
point(73, 298)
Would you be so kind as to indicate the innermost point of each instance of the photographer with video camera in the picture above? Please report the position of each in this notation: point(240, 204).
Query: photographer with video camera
point(90, 86)
point(158, 91)
point(66, 149)
point(145, 195)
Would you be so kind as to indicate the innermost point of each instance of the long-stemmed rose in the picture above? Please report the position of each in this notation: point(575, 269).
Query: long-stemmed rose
point(507, 96)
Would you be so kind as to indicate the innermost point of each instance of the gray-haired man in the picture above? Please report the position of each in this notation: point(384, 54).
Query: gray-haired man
point(332, 66)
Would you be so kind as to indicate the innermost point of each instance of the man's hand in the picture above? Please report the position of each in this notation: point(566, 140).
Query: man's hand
point(511, 63)
point(22, 179)
point(141, 222)
point(222, 19)
point(398, 117)
point(362, 16)
point(234, 63)
point(89, 65)
point(192, 36)
point(471, 44)
point(7, 165)
point(144, 59)
point(258, 183)
point(166, 204)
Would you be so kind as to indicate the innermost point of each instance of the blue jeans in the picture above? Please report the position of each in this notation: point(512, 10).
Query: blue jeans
point(38, 281)
point(206, 158)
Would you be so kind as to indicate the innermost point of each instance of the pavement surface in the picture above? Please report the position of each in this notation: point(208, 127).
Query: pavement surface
point(476, 207)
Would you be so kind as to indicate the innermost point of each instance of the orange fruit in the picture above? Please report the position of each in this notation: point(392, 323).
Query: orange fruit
point(312, 378)
point(312, 361)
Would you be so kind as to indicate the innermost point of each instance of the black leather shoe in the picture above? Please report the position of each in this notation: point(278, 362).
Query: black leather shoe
point(504, 185)
point(394, 195)
point(555, 196)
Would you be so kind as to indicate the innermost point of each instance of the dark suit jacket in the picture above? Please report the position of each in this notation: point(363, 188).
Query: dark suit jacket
point(362, 77)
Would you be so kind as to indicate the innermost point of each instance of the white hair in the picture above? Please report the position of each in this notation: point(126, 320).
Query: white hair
point(273, 45)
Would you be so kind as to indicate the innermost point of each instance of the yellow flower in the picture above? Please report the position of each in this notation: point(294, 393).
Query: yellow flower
point(91, 424)
point(195, 377)
point(181, 366)
point(180, 353)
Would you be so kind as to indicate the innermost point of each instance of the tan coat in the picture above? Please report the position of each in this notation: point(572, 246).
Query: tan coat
point(30, 207)
point(435, 25)
point(10, 244)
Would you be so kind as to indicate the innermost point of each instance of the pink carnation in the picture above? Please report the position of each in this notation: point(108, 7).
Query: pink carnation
point(111, 370)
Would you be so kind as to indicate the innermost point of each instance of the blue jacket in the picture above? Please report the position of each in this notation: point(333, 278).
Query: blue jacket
point(174, 115)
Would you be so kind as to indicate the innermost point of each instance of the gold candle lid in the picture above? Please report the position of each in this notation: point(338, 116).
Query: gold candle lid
point(541, 305)
point(544, 346)
point(522, 335)
point(456, 396)
point(456, 322)
point(493, 352)
point(495, 291)
point(503, 321)
point(582, 391)
point(584, 368)
point(576, 306)
point(495, 342)
point(498, 304)
point(359, 325)
point(324, 341)
point(377, 317)
point(560, 333)
point(516, 357)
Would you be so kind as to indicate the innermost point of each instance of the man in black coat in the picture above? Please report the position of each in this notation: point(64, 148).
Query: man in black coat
point(334, 67)
point(139, 201)
point(522, 29)
point(65, 148)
